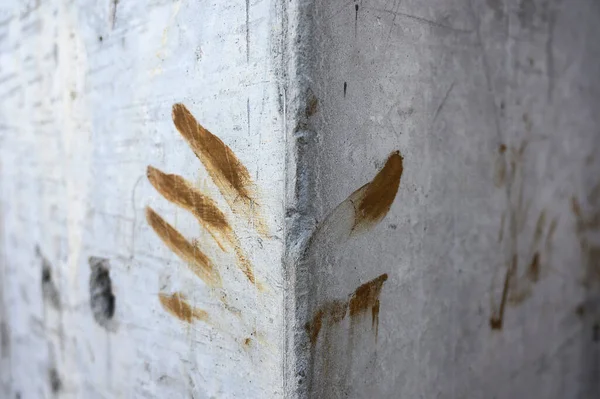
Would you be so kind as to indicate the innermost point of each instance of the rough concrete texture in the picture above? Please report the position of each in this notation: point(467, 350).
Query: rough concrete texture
point(491, 245)
point(385, 199)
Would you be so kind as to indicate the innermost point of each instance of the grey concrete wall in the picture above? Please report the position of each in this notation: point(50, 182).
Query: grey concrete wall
point(491, 244)
point(411, 192)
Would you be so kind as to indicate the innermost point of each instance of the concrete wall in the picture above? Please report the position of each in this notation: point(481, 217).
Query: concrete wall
point(366, 199)
point(491, 245)
point(87, 90)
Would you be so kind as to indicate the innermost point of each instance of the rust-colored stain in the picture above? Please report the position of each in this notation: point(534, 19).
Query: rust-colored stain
point(177, 305)
point(226, 170)
point(587, 224)
point(379, 194)
point(367, 296)
point(198, 262)
point(180, 192)
point(533, 271)
point(362, 299)
point(329, 313)
point(524, 266)
point(233, 181)
point(497, 319)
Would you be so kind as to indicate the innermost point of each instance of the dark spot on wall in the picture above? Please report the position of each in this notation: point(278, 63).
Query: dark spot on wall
point(100, 39)
point(345, 88)
point(55, 382)
point(312, 104)
point(49, 291)
point(502, 148)
point(102, 299)
point(4, 339)
point(18, 395)
point(533, 271)
point(596, 332)
point(498, 7)
point(580, 310)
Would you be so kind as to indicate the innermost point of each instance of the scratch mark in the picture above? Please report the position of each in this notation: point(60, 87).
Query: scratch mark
point(113, 16)
point(439, 108)
point(177, 305)
point(422, 20)
point(355, 20)
point(550, 235)
point(198, 262)
point(248, 31)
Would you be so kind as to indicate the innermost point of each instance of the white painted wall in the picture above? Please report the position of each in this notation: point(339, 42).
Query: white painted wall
point(86, 94)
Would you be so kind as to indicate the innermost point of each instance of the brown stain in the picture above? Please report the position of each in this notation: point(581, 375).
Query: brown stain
point(312, 105)
point(519, 282)
point(247, 342)
point(198, 262)
point(379, 194)
point(180, 192)
point(533, 270)
point(329, 313)
point(590, 251)
point(177, 305)
point(367, 297)
point(225, 169)
point(497, 319)
point(362, 299)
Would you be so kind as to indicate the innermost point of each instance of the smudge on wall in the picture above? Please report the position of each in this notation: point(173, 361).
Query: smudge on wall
point(226, 170)
point(177, 305)
point(365, 297)
point(198, 262)
point(364, 208)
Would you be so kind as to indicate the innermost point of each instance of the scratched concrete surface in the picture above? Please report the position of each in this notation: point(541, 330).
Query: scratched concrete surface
point(86, 90)
point(480, 282)
point(495, 107)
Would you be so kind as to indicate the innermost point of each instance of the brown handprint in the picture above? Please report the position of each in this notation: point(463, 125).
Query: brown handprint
point(335, 325)
point(520, 274)
point(233, 181)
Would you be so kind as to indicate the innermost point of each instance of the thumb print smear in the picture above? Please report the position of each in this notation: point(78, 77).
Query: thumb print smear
point(177, 305)
point(365, 207)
